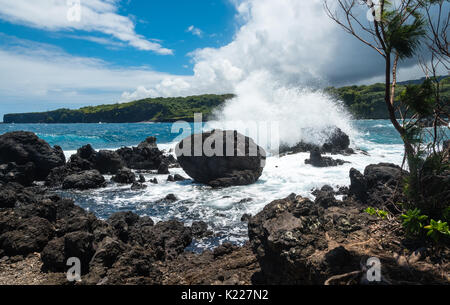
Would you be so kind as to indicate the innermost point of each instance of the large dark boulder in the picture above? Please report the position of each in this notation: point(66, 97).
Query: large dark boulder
point(168, 239)
point(199, 229)
point(44, 208)
point(53, 256)
point(31, 235)
point(381, 183)
point(84, 180)
point(7, 197)
point(122, 223)
point(134, 267)
point(80, 245)
point(241, 164)
point(382, 173)
point(337, 141)
point(108, 162)
point(105, 161)
point(86, 159)
point(325, 199)
point(436, 192)
point(76, 244)
point(163, 169)
point(72, 218)
point(358, 185)
point(22, 147)
point(107, 252)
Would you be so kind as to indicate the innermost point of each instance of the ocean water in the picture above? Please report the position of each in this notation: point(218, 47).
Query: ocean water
point(223, 208)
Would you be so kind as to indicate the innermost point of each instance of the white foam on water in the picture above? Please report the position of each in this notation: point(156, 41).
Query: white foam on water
point(223, 208)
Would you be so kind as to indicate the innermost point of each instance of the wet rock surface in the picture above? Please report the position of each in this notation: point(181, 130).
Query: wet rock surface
point(84, 180)
point(146, 156)
point(317, 160)
point(124, 176)
point(336, 142)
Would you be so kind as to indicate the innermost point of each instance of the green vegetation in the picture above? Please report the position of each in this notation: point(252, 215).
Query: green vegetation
point(437, 229)
point(379, 213)
point(413, 221)
point(367, 101)
point(150, 109)
point(414, 225)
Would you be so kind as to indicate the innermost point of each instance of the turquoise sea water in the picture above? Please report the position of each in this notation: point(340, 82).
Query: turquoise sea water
point(220, 208)
point(73, 136)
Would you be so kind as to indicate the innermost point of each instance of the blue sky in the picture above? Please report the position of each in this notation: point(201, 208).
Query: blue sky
point(177, 25)
point(120, 50)
point(166, 21)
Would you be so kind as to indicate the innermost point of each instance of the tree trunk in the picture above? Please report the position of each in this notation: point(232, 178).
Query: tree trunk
point(409, 150)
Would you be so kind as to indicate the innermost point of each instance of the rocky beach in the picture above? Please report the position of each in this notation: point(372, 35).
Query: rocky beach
point(292, 240)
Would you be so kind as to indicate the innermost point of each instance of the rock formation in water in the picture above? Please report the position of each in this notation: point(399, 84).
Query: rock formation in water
point(337, 142)
point(317, 160)
point(225, 158)
point(146, 156)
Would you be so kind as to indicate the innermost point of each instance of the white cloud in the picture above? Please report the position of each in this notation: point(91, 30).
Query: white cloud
point(195, 31)
point(95, 16)
point(281, 47)
point(294, 41)
point(40, 73)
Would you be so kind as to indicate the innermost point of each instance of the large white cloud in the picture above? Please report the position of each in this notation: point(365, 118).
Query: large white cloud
point(94, 16)
point(292, 40)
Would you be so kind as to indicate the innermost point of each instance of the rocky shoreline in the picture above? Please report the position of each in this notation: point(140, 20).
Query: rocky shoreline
point(291, 241)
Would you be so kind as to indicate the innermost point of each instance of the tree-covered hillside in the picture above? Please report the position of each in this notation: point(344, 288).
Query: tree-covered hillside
point(367, 101)
point(364, 102)
point(150, 109)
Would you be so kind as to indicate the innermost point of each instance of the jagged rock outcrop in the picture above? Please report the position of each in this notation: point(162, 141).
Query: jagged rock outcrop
point(126, 249)
point(317, 160)
point(380, 185)
point(337, 142)
point(124, 176)
point(145, 156)
point(289, 240)
point(21, 148)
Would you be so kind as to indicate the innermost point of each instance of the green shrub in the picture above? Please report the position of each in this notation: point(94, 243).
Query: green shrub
point(437, 229)
point(413, 221)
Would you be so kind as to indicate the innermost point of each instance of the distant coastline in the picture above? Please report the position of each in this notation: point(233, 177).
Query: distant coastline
point(363, 102)
point(146, 110)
